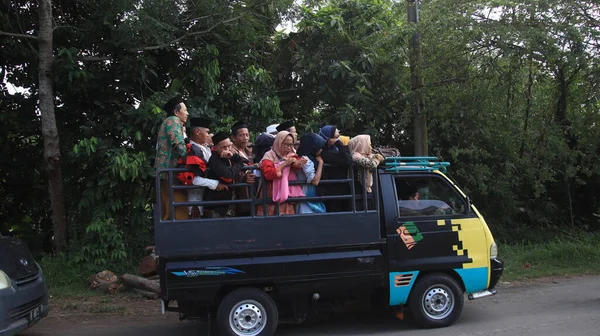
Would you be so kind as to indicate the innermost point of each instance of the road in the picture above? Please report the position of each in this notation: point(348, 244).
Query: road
point(545, 307)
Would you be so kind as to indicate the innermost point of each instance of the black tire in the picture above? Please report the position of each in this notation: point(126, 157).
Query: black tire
point(442, 291)
point(251, 305)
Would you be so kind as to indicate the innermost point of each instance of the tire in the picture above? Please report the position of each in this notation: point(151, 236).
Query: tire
point(436, 301)
point(247, 312)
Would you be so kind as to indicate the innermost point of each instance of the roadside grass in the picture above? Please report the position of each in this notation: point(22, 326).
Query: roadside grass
point(564, 255)
point(66, 278)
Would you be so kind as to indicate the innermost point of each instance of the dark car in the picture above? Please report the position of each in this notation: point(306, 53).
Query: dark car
point(23, 290)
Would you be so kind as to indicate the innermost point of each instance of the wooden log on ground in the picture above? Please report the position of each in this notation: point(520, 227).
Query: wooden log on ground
point(147, 294)
point(113, 288)
point(133, 281)
point(148, 266)
point(105, 281)
point(154, 277)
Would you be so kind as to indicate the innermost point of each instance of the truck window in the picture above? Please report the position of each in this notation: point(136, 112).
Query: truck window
point(427, 196)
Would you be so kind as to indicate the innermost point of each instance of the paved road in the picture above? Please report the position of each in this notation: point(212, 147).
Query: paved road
point(547, 308)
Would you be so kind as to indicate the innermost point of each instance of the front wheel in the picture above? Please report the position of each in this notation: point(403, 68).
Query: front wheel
point(436, 301)
point(247, 312)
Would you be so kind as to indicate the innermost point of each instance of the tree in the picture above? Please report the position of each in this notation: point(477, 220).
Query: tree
point(52, 156)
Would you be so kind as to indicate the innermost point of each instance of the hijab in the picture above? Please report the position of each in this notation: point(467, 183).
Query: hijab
point(310, 144)
point(274, 154)
point(327, 132)
point(360, 146)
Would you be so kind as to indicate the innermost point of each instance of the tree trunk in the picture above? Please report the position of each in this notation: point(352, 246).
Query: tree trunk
point(419, 117)
point(133, 281)
point(527, 106)
point(49, 130)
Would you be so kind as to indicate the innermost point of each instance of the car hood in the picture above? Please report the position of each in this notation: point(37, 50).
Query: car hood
point(16, 259)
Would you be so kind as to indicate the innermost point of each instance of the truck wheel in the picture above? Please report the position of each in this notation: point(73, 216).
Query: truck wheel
point(247, 312)
point(436, 301)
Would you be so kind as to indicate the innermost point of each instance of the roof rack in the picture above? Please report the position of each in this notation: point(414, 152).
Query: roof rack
point(415, 163)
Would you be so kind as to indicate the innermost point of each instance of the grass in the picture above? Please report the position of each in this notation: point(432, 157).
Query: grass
point(68, 279)
point(565, 255)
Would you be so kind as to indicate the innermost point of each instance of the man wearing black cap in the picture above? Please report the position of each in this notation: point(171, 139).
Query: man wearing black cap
point(288, 126)
point(199, 137)
point(224, 166)
point(170, 147)
point(241, 140)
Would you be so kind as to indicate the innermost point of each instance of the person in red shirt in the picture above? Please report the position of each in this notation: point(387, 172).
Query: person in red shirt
point(281, 156)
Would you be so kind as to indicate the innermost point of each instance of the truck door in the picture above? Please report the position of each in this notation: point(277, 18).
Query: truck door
point(432, 229)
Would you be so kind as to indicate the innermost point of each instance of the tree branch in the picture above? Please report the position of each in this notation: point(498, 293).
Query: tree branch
point(19, 35)
point(160, 46)
point(92, 58)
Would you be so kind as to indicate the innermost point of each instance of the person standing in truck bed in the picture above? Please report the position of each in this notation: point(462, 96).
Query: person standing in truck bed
point(227, 168)
point(170, 147)
point(337, 155)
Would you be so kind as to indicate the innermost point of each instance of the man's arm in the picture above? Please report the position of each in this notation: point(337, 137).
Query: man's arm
point(224, 172)
point(205, 182)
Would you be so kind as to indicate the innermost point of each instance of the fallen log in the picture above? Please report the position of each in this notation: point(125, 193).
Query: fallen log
point(113, 288)
point(148, 266)
point(147, 294)
point(105, 281)
point(133, 281)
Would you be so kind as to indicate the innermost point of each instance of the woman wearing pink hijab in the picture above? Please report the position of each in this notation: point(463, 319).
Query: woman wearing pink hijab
point(278, 166)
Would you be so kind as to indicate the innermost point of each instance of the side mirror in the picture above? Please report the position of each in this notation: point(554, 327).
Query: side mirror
point(469, 210)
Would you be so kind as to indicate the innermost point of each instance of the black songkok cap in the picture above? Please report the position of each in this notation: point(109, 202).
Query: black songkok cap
point(199, 122)
point(237, 126)
point(219, 136)
point(171, 104)
point(284, 126)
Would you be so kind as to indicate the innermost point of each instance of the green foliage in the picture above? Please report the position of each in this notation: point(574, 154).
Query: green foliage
point(511, 94)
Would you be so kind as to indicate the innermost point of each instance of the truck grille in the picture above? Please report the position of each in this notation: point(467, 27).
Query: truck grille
point(21, 311)
point(22, 281)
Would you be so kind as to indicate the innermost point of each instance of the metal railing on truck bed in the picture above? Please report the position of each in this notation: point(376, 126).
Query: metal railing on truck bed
point(261, 233)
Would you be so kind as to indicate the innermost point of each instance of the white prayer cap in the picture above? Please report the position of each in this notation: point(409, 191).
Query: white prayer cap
point(272, 128)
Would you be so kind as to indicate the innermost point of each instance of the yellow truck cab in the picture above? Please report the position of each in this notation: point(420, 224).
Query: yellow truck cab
point(414, 241)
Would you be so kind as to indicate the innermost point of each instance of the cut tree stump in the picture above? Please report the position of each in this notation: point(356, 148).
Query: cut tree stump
point(147, 294)
point(148, 266)
point(133, 281)
point(105, 281)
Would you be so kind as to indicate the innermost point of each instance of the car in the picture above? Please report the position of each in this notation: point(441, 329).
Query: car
point(23, 288)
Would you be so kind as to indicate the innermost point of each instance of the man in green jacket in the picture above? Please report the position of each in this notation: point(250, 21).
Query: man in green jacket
point(171, 146)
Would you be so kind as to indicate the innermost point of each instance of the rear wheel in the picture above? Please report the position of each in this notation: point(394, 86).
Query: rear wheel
point(436, 301)
point(247, 312)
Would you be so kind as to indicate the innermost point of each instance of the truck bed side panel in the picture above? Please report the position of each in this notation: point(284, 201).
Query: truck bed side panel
point(235, 235)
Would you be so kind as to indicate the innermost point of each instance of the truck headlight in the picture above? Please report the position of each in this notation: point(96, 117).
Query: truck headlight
point(4, 281)
point(494, 250)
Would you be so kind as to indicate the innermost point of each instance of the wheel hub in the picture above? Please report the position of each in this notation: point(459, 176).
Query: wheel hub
point(247, 318)
point(438, 302)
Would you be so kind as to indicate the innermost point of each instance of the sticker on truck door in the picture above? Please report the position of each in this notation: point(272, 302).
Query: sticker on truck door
point(410, 234)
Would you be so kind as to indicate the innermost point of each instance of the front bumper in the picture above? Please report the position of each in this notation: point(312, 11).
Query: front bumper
point(496, 269)
point(23, 306)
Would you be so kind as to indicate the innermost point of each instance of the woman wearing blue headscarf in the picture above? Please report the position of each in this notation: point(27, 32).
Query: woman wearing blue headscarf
point(311, 146)
point(338, 156)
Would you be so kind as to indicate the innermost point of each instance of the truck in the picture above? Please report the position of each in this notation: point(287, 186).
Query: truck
point(415, 242)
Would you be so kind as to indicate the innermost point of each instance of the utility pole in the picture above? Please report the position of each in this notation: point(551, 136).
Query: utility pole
point(416, 81)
